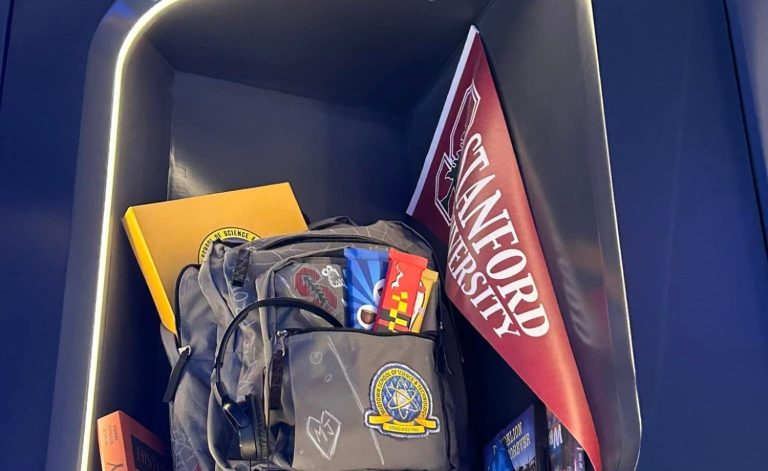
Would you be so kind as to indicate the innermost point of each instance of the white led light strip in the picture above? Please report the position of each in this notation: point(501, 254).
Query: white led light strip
point(133, 35)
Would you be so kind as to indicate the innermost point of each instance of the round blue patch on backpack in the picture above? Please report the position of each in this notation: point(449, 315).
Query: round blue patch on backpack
point(401, 403)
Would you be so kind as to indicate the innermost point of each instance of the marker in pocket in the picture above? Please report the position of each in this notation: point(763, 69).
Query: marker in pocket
point(427, 283)
point(401, 292)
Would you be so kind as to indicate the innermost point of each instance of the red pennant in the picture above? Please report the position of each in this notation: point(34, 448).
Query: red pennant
point(471, 195)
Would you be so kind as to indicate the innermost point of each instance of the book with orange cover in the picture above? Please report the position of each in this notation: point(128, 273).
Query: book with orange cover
point(126, 445)
point(169, 235)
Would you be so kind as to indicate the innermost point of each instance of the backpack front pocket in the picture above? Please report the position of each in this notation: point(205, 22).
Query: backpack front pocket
point(359, 400)
point(317, 279)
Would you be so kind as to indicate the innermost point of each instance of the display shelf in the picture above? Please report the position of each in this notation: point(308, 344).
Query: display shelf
point(340, 98)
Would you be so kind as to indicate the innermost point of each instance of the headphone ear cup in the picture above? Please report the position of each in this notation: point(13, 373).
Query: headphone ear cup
point(261, 437)
point(248, 448)
point(253, 438)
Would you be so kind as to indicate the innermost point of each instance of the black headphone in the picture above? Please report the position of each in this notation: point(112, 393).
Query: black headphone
point(247, 417)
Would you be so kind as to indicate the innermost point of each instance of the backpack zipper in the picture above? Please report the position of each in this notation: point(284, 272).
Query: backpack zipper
point(243, 257)
point(309, 237)
point(276, 368)
point(281, 335)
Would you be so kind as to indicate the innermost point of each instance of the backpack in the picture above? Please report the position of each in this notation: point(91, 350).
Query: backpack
point(265, 376)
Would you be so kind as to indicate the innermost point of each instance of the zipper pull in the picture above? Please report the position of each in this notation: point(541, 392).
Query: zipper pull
point(241, 267)
point(280, 342)
point(277, 365)
point(441, 358)
point(178, 369)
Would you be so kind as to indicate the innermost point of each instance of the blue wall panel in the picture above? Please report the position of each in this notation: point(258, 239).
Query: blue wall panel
point(6, 8)
point(695, 264)
point(39, 128)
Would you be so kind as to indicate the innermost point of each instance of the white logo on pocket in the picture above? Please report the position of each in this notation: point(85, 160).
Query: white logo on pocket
point(324, 433)
point(334, 278)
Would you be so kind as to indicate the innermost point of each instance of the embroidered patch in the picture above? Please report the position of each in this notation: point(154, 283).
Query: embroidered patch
point(308, 284)
point(401, 403)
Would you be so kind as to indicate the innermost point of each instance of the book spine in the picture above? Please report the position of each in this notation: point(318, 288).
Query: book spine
point(111, 444)
point(149, 270)
point(542, 435)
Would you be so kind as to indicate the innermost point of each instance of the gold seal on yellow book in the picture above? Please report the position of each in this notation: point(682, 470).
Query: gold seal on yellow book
point(226, 234)
point(169, 235)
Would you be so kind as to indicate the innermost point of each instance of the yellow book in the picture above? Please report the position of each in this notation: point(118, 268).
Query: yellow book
point(167, 236)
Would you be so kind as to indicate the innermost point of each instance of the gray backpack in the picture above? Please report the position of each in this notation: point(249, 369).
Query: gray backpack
point(265, 376)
